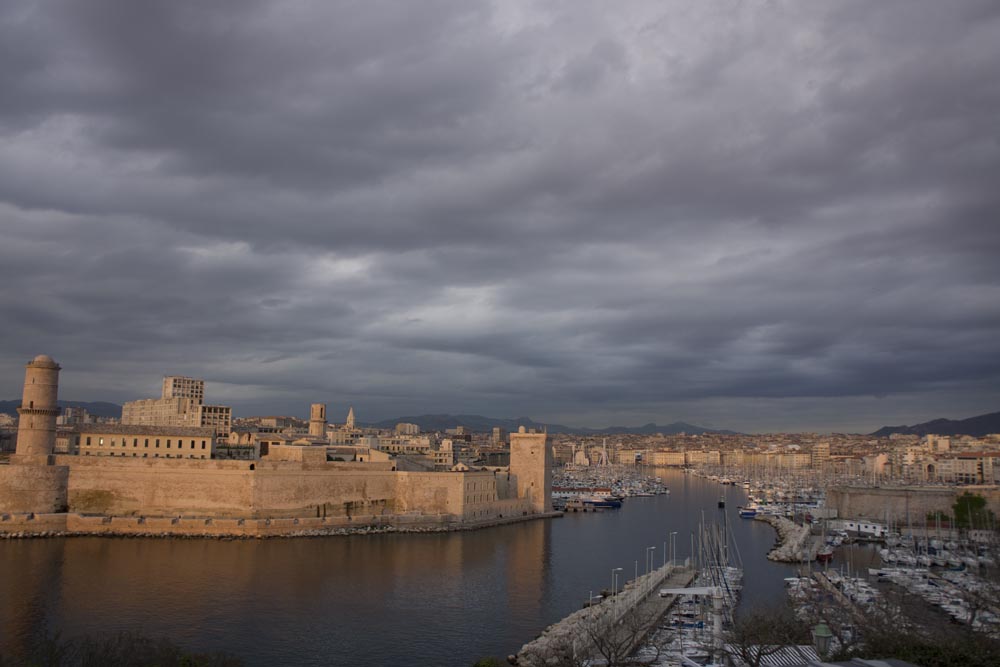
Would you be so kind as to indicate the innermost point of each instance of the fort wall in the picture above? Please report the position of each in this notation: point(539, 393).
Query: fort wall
point(165, 487)
point(128, 487)
point(290, 491)
point(296, 490)
point(900, 503)
point(32, 488)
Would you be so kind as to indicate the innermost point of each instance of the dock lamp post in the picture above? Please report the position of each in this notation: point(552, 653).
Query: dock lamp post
point(614, 583)
point(821, 639)
point(649, 559)
point(673, 547)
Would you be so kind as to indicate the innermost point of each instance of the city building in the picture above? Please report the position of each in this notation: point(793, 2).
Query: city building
point(169, 442)
point(179, 386)
point(404, 428)
point(180, 404)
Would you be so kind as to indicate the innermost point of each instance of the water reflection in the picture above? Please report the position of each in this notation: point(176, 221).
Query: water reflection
point(429, 599)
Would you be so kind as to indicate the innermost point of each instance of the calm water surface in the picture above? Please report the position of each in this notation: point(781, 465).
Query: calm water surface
point(435, 599)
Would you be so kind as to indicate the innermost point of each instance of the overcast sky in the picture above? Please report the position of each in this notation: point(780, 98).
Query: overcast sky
point(747, 215)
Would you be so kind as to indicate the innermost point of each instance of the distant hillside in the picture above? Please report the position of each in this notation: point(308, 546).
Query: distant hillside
point(98, 409)
point(674, 428)
point(480, 424)
point(975, 426)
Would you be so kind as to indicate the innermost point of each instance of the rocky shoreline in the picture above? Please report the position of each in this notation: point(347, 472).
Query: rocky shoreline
point(69, 525)
point(794, 543)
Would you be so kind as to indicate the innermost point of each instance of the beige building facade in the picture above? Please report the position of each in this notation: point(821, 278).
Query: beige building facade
point(168, 442)
point(180, 404)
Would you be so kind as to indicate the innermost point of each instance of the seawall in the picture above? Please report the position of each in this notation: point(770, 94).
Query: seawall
point(72, 525)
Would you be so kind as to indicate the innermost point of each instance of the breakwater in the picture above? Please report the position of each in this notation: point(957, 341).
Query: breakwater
point(614, 628)
point(795, 544)
point(13, 526)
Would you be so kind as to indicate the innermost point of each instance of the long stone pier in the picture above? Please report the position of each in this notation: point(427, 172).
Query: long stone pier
point(618, 624)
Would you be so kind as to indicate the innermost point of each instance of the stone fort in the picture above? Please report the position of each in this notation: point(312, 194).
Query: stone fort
point(112, 494)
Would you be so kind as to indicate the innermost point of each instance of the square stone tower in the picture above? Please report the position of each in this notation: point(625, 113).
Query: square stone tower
point(531, 464)
point(317, 420)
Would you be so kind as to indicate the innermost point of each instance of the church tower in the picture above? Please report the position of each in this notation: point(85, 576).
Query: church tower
point(317, 420)
point(350, 419)
point(531, 464)
point(36, 429)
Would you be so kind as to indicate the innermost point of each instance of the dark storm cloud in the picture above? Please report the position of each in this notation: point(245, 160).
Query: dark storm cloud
point(760, 215)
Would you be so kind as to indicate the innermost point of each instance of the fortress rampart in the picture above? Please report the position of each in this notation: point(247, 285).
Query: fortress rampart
point(260, 489)
point(901, 503)
point(154, 495)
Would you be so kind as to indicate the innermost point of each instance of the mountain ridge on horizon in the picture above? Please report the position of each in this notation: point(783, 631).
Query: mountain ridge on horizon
point(96, 408)
point(977, 426)
point(480, 423)
point(442, 421)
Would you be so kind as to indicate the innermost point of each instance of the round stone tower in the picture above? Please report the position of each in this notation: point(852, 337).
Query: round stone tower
point(32, 483)
point(36, 430)
point(317, 420)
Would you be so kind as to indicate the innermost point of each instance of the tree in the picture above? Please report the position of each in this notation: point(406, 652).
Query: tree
point(919, 634)
point(902, 625)
point(618, 641)
point(125, 649)
point(594, 635)
point(487, 662)
point(970, 512)
point(764, 631)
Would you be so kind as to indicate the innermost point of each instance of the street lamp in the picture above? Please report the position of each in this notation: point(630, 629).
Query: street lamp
point(649, 559)
point(673, 547)
point(821, 639)
point(614, 583)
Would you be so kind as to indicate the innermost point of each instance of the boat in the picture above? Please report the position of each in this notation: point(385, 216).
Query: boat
point(825, 554)
point(577, 505)
point(748, 511)
point(722, 502)
point(601, 501)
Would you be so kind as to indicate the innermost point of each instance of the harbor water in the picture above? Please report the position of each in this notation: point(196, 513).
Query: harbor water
point(419, 599)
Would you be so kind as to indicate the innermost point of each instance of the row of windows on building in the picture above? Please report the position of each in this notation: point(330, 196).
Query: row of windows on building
point(145, 455)
point(135, 443)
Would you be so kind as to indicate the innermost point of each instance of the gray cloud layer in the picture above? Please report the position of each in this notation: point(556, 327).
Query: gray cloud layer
point(764, 215)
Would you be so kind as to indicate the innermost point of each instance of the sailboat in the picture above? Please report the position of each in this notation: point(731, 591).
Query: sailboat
point(825, 553)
